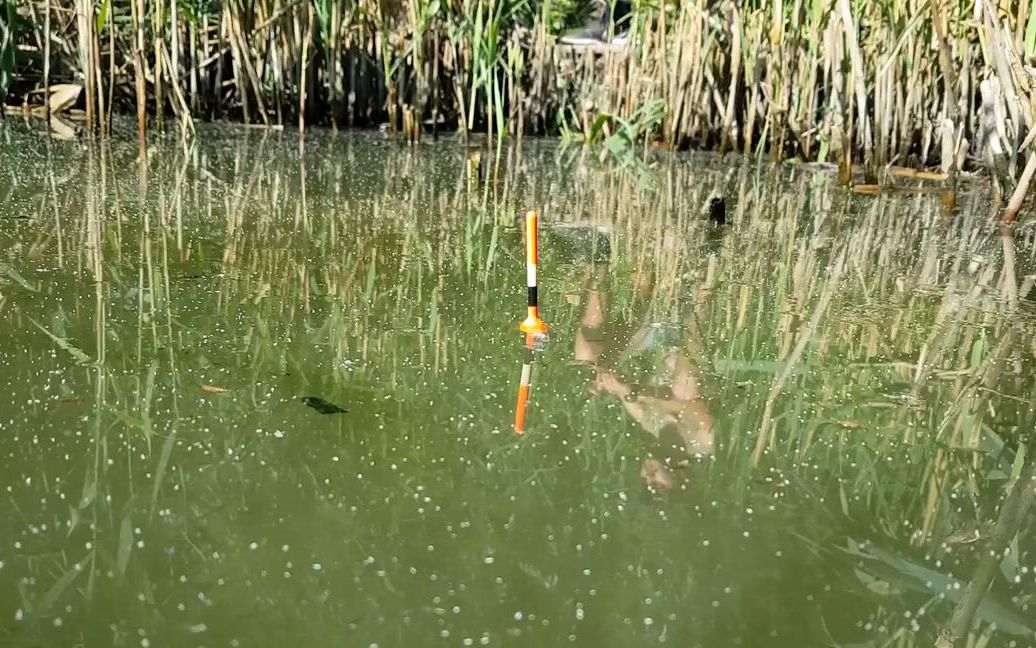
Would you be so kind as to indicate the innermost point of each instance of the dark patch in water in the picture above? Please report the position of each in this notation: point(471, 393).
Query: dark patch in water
point(322, 406)
point(718, 210)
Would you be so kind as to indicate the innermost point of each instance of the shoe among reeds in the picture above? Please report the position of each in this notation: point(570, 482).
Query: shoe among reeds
point(591, 34)
point(595, 32)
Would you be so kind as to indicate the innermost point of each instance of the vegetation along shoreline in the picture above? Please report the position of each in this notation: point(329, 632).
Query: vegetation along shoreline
point(933, 84)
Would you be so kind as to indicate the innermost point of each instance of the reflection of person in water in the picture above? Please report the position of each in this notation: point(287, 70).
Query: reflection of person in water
point(669, 405)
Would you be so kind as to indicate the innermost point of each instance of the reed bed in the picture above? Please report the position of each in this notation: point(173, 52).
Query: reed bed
point(913, 82)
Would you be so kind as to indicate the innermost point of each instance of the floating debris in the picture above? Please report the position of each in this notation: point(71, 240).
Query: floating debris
point(322, 406)
point(718, 210)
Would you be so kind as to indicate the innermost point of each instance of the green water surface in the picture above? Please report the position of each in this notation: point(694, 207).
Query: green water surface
point(856, 373)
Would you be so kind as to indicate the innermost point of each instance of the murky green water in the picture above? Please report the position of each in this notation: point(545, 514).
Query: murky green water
point(851, 379)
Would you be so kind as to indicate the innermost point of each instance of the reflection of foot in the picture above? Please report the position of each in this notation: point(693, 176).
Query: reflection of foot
point(655, 476)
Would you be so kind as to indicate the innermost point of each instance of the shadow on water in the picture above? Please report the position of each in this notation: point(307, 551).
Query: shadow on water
point(831, 396)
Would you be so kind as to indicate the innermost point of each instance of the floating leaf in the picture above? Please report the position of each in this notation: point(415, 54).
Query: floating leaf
point(18, 278)
point(372, 273)
point(58, 588)
point(977, 351)
point(125, 543)
point(130, 420)
point(163, 463)
point(89, 493)
point(920, 578)
point(322, 406)
point(64, 344)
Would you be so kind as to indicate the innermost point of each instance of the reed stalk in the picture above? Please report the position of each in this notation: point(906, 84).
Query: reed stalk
point(137, 17)
point(46, 59)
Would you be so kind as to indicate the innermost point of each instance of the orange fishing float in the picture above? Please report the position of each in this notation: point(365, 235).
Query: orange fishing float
point(532, 324)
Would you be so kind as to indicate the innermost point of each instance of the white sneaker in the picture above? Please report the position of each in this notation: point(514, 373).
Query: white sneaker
point(620, 40)
point(591, 34)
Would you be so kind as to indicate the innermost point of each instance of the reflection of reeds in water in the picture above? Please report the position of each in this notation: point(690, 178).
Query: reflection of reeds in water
point(872, 336)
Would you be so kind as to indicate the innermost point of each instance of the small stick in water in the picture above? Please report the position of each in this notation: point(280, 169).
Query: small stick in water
point(322, 406)
point(718, 210)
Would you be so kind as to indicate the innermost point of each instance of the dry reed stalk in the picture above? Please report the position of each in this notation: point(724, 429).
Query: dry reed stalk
point(84, 17)
point(1020, 190)
point(157, 39)
point(303, 75)
point(46, 60)
point(138, 7)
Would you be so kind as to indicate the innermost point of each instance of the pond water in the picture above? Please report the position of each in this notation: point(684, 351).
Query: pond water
point(848, 381)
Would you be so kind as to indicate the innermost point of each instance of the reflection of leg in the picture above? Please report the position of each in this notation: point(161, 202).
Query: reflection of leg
point(655, 476)
point(639, 341)
point(686, 378)
point(589, 342)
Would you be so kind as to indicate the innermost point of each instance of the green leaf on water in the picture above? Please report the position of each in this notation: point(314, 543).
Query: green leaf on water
point(372, 272)
point(130, 420)
point(977, 351)
point(920, 578)
point(89, 493)
point(163, 463)
point(1009, 565)
point(58, 588)
point(433, 315)
point(491, 254)
point(1019, 463)
point(73, 521)
point(18, 278)
point(125, 543)
point(76, 353)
